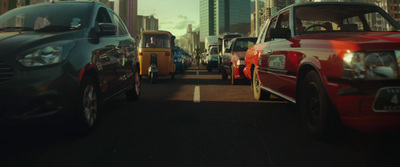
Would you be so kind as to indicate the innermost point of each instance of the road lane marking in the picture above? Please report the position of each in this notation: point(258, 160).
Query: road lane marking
point(196, 95)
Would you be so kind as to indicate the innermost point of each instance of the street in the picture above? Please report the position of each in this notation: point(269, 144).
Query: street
point(225, 126)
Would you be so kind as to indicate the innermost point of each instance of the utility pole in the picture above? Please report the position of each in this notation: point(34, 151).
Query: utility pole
point(257, 20)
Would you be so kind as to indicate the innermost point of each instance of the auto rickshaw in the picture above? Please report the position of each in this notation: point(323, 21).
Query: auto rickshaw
point(156, 54)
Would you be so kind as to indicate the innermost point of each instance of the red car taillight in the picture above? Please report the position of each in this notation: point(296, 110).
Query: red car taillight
point(167, 54)
point(140, 53)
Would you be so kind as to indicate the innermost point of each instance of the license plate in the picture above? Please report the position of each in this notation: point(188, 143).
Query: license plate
point(387, 100)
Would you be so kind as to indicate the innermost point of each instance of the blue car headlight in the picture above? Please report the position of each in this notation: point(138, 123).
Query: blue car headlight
point(46, 54)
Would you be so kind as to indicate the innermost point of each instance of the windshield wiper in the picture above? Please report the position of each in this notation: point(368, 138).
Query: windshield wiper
point(55, 28)
point(12, 29)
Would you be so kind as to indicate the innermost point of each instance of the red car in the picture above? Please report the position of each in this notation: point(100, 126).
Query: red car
point(339, 62)
point(233, 59)
point(251, 59)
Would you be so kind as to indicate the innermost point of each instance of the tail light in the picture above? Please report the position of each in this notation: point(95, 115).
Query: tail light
point(140, 53)
point(167, 54)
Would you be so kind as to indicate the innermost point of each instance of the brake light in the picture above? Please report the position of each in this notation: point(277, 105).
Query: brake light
point(167, 54)
point(140, 54)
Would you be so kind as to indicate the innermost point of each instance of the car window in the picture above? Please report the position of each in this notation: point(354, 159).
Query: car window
point(283, 20)
point(214, 50)
point(45, 18)
point(230, 44)
point(103, 16)
point(271, 25)
point(337, 18)
point(243, 45)
point(121, 30)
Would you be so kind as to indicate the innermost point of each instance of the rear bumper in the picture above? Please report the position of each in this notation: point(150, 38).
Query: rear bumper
point(238, 72)
point(213, 64)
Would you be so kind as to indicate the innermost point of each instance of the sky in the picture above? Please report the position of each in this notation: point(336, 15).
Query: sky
point(172, 15)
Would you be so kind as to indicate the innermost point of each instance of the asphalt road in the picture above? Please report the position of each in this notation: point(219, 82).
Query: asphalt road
point(171, 125)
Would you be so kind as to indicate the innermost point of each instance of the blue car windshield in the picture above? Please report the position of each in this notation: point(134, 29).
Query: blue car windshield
point(50, 17)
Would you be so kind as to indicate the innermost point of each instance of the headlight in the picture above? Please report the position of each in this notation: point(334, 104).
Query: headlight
point(370, 65)
point(240, 62)
point(45, 55)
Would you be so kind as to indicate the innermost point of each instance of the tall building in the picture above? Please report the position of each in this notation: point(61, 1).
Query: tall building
point(219, 16)
point(146, 23)
point(273, 6)
point(4, 6)
point(127, 11)
point(206, 18)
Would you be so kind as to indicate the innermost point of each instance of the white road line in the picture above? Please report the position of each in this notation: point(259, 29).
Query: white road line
point(196, 95)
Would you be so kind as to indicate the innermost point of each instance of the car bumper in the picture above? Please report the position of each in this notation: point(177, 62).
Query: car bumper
point(357, 110)
point(238, 72)
point(213, 64)
point(38, 93)
point(178, 66)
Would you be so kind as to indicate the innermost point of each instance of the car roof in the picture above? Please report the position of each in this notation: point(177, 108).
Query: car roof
point(321, 4)
point(88, 3)
point(156, 32)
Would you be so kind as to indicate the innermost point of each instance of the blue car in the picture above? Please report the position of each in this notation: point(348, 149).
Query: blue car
point(179, 59)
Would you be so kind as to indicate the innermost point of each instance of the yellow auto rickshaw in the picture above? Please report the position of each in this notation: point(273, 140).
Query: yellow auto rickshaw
point(156, 54)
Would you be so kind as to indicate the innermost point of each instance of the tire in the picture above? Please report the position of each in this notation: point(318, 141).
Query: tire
point(317, 114)
point(88, 106)
point(259, 94)
point(224, 74)
point(233, 80)
point(209, 68)
point(134, 93)
point(153, 77)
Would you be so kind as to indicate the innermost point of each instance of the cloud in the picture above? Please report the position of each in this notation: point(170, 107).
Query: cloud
point(182, 22)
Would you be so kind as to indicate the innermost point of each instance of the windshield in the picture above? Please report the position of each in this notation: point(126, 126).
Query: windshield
point(244, 44)
point(45, 18)
point(214, 51)
point(155, 41)
point(338, 18)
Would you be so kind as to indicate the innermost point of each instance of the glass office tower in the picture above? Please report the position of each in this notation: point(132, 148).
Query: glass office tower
point(219, 16)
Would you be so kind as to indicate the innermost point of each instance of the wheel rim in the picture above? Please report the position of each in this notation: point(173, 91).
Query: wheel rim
point(313, 102)
point(256, 83)
point(137, 83)
point(90, 104)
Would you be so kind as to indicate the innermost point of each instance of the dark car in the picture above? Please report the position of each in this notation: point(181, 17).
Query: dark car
point(63, 59)
point(233, 59)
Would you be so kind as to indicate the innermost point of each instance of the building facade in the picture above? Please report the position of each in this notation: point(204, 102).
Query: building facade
point(146, 23)
point(127, 11)
point(219, 16)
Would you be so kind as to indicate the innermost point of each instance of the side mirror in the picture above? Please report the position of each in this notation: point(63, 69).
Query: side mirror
point(280, 33)
point(107, 29)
